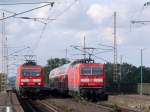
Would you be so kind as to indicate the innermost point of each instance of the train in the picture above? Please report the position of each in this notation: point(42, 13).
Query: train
point(31, 81)
point(83, 78)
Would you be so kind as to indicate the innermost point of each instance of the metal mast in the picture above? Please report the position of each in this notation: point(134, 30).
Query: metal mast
point(84, 49)
point(66, 54)
point(115, 73)
point(4, 57)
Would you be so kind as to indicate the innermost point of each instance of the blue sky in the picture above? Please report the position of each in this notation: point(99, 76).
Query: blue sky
point(90, 18)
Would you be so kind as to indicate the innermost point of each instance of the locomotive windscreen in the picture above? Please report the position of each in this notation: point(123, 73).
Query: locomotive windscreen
point(31, 72)
point(91, 70)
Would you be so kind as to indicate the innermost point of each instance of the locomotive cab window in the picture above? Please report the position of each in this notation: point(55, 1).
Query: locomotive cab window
point(91, 70)
point(86, 70)
point(96, 70)
point(31, 72)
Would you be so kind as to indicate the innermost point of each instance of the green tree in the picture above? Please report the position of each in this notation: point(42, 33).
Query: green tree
point(130, 73)
point(109, 71)
point(53, 63)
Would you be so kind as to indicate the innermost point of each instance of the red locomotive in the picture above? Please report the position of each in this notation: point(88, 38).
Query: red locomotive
point(30, 80)
point(83, 77)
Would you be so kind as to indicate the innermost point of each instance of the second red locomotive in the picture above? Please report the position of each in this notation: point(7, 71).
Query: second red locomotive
point(83, 77)
point(30, 80)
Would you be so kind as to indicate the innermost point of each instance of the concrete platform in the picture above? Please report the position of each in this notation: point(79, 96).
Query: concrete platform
point(9, 102)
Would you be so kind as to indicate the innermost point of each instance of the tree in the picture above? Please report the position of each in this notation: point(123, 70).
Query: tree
point(53, 63)
point(130, 74)
point(109, 73)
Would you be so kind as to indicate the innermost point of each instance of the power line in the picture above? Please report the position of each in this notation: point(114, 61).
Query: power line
point(76, 47)
point(27, 11)
point(106, 45)
point(60, 14)
point(41, 20)
point(26, 3)
point(19, 51)
point(35, 19)
point(15, 52)
point(101, 58)
point(7, 11)
point(104, 49)
point(42, 32)
point(103, 52)
point(142, 21)
point(66, 9)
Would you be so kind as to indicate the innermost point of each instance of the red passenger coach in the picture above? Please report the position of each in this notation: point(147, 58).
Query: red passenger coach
point(29, 80)
point(82, 77)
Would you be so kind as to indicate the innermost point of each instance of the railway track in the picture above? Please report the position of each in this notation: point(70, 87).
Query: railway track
point(38, 106)
point(111, 107)
point(27, 106)
point(48, 106)
point(115, 108)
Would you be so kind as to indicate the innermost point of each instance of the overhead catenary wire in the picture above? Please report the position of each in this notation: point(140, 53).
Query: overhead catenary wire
point(25, 3)
point(42, 32)
point(76, 47)
point(103, 52)
point(56, 17)
point(104, 49)
point(7, 11)
point(41, 20)
point(29, 18)
point(142, 21)
point(106, 45)
point(46, 19)
point(145, 5)
point(34, 18)
point(17, 51)
point(16, 14)
point(66, 9)
point(60, 14)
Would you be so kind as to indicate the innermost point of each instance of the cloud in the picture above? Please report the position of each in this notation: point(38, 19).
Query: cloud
point(99, 12)
point(93, 18)
point(108, 36)
point(43, 12)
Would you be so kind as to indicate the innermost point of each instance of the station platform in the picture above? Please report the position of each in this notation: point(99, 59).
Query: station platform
point(9, 102)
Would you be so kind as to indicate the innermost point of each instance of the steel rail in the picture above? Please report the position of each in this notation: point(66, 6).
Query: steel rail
point(48, 106)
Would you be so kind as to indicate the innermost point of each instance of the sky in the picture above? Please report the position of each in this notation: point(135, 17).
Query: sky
point(74, 19)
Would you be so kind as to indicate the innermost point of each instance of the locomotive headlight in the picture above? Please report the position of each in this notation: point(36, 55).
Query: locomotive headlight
point(21, 83)
point(24, 80)
point(36, 80)
point(98, 80)
point(84, 80)
point(39, 83)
